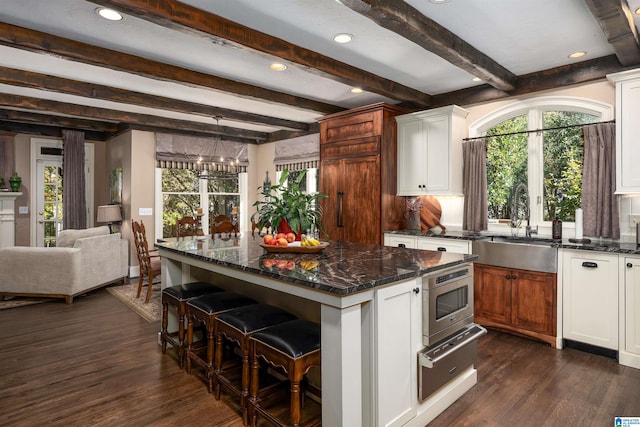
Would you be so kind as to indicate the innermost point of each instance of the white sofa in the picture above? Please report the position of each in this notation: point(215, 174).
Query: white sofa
point(83, 260)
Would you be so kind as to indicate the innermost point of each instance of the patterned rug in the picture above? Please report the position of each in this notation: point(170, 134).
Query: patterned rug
point(13, 302)
point(152, 311)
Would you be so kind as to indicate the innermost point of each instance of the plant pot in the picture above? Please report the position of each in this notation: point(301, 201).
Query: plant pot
point(15, 182)
point(283, 227)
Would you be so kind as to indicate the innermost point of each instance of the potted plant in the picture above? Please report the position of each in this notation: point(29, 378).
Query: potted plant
point(15, 181)
point(286, 208)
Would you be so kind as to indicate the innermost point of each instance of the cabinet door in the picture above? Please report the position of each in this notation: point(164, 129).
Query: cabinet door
point(443, 245)
point(533, 301)
point(412, 158)
point(627, 147)
point(590, 298)
point(330, 173)
point(492, 294)
point(632, 305)
point(360, 185)
point(438, 161)
point(398, 321)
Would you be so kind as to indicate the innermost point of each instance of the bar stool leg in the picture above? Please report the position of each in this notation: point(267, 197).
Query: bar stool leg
point(189, 342)
point(182, 310)
point(210, 355)
point(165, 324)
point(294, 404)
point(254, 387)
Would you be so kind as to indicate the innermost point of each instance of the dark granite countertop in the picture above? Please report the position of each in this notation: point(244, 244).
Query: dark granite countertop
point(595, 244)
point(342, 268)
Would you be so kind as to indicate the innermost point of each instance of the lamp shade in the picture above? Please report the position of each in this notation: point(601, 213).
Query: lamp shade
point(109, 213)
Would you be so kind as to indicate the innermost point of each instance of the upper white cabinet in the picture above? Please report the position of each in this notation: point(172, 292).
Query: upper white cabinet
point(627, 131)
point(430, 151)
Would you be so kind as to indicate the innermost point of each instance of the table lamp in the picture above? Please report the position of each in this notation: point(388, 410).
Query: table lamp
point(109, 214)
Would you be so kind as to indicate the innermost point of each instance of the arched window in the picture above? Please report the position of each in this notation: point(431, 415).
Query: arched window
point(548, 163)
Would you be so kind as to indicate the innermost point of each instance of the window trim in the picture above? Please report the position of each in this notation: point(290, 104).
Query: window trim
point(534, 108)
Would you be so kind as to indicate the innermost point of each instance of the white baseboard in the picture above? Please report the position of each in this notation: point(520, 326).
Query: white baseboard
point(629, 359)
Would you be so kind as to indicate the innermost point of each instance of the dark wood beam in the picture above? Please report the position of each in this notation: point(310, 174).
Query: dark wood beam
point(403, 19)
point(36, 104)
point(33, 80)
point(39, 42)
point(617, 24)
point(50, 131)
point(553, 78)
point(188, 19)
point(57, 121)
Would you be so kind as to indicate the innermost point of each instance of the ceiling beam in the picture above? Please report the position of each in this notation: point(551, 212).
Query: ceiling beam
point(57, 121)
point(39, 42)
point(553, 78)
point(37, 104)
point(617, 24)
point(188, 19)
point(46, 82)
point(46, 130)
point(403, 19)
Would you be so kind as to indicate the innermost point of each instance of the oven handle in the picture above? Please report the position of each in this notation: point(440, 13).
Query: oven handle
point(428, 362)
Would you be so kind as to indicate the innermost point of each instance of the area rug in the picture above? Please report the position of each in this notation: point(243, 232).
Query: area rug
point(13, 302)
point(152, 311)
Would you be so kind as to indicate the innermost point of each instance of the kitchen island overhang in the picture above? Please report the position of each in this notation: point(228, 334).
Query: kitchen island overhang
point(343, 282)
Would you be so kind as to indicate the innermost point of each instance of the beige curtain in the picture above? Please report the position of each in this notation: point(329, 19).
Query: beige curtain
point(475, 213)
point(74, 203)
point(599, 203)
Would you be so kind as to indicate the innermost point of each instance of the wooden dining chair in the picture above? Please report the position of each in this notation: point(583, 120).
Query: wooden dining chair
point(149, 263)
point(224, 229)
point(187, 226)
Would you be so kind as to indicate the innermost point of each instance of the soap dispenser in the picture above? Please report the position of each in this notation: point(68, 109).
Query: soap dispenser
point(556, 229)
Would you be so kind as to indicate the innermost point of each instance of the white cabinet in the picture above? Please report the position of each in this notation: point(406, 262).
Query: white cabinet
point(590, 297)
point(400, 240)
point(627, 131)
point(398, 335)
point(444, 245)
point(630, 316)
point(430, 151)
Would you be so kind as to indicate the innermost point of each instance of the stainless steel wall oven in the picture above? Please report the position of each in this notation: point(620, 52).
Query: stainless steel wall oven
point(448, 331)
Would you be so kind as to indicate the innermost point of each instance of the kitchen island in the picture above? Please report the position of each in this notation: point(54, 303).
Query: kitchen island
point(367, 300)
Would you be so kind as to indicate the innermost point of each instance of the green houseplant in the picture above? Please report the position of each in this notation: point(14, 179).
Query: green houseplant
point(285, 207)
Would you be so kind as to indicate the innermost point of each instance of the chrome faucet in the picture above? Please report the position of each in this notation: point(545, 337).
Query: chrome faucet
point(514, 212)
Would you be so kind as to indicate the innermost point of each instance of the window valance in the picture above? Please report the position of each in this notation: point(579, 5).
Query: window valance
point(183, 152)
point(298, 153)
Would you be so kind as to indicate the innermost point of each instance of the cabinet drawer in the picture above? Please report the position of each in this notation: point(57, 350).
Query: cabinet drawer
point(443, 245)
point(351, 148)
point(397, 240)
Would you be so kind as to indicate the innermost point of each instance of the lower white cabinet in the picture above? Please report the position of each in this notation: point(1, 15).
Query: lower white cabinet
point(590, 297)
point(398, 336)
point(630, 316)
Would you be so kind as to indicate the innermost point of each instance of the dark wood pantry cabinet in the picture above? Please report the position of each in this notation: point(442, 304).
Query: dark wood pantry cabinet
point(358, 153)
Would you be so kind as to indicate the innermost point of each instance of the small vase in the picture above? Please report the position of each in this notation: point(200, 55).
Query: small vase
point(283, 227)
point(413, 220)
point(15, 182)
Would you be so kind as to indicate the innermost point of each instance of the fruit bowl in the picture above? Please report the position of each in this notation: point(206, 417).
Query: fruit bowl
point(295, 247)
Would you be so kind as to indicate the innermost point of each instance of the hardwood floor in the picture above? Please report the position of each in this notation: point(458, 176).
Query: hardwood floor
point(97, 363)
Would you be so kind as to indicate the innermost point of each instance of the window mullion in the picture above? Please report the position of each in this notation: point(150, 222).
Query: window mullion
point(535, 167)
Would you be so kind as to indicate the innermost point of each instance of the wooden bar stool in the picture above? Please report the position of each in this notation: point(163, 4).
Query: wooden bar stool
point(177, 296)
point(204, 310)
point(237, 325)
point(293, 346)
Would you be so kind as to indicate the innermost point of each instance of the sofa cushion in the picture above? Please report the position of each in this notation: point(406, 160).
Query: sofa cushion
point(67, 238)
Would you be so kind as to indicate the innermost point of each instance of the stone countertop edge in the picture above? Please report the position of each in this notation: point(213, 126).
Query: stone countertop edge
point(342, 269)
point(596, 245)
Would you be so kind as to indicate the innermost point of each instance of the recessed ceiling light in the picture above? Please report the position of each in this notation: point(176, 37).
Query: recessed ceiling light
point(110, 14)
point(356, 90)
point(276, 66)
point(342, 38)
point(637, 11)
point(476, 79)
point(575, 55)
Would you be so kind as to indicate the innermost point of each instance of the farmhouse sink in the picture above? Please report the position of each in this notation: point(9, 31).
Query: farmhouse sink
point(521, 253)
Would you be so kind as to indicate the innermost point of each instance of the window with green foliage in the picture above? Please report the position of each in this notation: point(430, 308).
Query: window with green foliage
point(183, 193)
point(548, 162)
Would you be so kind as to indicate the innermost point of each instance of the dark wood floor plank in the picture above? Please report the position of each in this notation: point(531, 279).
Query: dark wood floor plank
point(97, 363)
